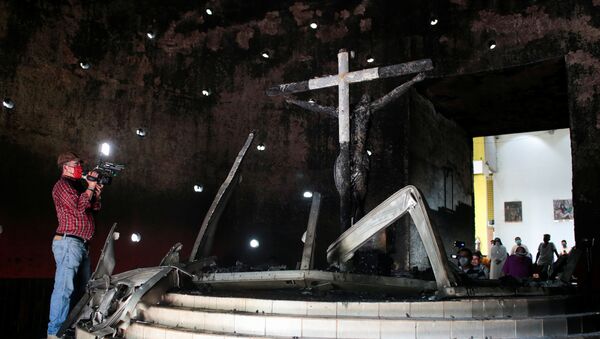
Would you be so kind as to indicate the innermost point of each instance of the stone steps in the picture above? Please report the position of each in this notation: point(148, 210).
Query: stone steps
point(189, 316)
point(226, 325)
point(152, 331)
point(472, 308)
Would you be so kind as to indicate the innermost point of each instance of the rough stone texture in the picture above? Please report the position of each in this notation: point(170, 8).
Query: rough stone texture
point(192, 139)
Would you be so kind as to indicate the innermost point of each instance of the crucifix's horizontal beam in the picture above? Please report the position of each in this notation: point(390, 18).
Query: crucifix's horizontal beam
point(352, 77)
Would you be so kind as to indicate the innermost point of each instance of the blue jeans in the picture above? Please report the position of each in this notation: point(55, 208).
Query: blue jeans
point(72, 274)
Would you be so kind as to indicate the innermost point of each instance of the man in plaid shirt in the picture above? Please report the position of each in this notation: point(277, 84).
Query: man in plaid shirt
point(75, 203)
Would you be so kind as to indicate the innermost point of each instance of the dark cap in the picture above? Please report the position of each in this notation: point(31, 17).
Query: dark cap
point(65, 157)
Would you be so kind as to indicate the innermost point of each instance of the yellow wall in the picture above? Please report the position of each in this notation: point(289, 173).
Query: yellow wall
point(478, 149)
point(481, 197)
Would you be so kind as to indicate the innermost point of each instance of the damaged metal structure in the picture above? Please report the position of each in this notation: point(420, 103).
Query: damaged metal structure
point(112, 301)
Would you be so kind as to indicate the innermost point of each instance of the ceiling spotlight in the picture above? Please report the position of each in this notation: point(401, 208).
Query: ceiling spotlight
point(254, 243)
point(7, 103)
point(370, 59)
point(265, 55)
point(433, 22)
point(261, 147)
point(314, 25)
point(105, 149)
point(151, 35)
point(140, 132)
point(209, 11)
point(369, 152)
point(136, 237)
point(198, 188)
point(85, 65)
point(307, 194)
point(205, 92)
point(492, 44)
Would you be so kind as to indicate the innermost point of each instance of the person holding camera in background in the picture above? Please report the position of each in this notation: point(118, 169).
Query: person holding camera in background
point(75, 203)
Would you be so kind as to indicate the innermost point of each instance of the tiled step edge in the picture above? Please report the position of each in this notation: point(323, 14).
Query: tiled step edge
point(476, 308)
point(139, 330)
point(349, 327)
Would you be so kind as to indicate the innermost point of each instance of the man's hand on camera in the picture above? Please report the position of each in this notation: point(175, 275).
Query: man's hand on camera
point(98, 190)
point(92, 184)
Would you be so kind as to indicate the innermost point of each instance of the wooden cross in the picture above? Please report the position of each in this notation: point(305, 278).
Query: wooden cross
point(342, 80)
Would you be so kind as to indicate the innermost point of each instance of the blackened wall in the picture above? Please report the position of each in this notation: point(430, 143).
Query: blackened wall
point(440, 157)
point(135, 82)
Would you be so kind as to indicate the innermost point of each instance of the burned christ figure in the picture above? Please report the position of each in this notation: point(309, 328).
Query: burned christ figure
point(360, 121)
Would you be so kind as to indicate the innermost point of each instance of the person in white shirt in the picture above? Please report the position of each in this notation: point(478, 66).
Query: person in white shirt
point(519, 243)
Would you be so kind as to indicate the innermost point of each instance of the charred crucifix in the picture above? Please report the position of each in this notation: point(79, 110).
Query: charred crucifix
point(350, 172)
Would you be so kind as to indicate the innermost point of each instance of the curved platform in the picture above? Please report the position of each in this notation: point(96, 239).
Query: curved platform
point(200, 316)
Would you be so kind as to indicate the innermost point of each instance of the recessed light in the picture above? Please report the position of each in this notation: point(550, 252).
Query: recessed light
point(492, 44)
point(7, 103)
point(369, 153)
point(307, 194)
point(205, 92)
point(314, 25)
point(265, 55)
point(85, 65)
point(311, 101)
point(209, 11)
point(261, 147)
point(136, 237)
point(370, 59)
point(433, 22)
point(198, 188)
point(150, 35)
point(140, 132)
point(254, 243)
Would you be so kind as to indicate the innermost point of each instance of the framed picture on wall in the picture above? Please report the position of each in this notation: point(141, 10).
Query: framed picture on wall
point(563, 209)
point(513, 211)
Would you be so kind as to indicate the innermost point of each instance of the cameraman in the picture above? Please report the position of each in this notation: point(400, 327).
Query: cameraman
point(74, 202)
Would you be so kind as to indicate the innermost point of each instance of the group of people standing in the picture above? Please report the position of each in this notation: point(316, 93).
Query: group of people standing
point(518, 263)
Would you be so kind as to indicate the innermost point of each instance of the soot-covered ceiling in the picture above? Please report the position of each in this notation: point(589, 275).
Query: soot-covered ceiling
point(518, 99)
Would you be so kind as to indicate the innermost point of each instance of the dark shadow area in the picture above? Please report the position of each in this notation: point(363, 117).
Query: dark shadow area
point(512, 100)
point(24, 307)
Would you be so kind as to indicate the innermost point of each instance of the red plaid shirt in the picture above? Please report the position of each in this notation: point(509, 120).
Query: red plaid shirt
point(73, 208)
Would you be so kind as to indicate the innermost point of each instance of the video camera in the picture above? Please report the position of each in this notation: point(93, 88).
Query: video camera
point(459, 244)
point(106, 171)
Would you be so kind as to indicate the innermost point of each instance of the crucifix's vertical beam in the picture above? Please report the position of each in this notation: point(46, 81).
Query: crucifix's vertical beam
point(343, 162)
point(344, 97)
